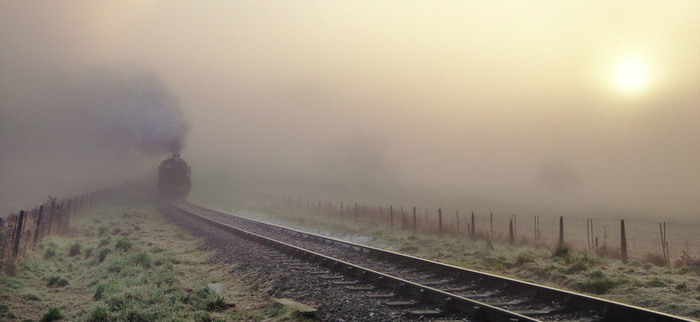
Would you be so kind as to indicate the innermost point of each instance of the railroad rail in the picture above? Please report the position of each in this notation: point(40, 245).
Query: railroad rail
point(427, 288)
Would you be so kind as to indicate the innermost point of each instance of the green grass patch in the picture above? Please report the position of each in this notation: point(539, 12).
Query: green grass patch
point(54, 314)
point(123, 244)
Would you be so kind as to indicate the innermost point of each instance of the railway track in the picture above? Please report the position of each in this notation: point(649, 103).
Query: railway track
point(423, 288)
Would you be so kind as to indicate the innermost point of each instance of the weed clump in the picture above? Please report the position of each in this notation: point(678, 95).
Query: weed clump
point(54, 314)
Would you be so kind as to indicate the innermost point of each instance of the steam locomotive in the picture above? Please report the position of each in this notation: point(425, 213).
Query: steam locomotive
point(174, 182)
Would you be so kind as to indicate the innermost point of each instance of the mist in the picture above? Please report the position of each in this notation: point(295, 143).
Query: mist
point(500, 106)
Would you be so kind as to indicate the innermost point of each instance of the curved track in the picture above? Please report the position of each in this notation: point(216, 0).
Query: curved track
point(425, 288)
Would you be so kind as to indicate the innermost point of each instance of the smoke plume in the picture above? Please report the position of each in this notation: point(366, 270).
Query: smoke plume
point(135, 110)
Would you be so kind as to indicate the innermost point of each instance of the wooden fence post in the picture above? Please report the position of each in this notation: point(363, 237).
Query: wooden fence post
point(37, 225)
point(561, 230)
point(457, 216)
point(18, 234)
point(414, 220)
point(356, 212)
point(511, 236)
point(623, 242)
point(473, 227)
point(491, 219)
point(391, 216)
point(440, 221)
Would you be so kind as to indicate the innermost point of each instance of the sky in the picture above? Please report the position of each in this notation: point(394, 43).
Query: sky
point(515, 106)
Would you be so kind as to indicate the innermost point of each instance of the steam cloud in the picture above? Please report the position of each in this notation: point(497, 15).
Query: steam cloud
point(136, 110)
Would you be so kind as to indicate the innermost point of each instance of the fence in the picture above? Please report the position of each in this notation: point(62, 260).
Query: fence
point(660, 242)
point(23, 231)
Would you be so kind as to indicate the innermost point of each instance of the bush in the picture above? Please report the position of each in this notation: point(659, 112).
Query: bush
point(74, 249)
point(54, 314)
point(102, 230)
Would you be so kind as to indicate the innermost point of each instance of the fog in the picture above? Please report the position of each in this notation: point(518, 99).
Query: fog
point(503, 106)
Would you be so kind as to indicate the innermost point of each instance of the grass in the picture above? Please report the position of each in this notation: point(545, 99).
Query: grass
point(54, 314)
point(675, 290)
point(151, 271)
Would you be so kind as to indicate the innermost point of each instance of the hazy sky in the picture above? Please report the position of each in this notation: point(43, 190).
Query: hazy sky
point(593, 100)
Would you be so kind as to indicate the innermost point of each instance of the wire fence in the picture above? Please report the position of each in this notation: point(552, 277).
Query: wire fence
point(22, 231)
point(661, 243)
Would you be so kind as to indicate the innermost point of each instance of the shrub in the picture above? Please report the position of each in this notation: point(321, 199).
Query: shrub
point(54, 314)
point(116, 231)
point(102, 230)
point(74, 249)
point(123, 244)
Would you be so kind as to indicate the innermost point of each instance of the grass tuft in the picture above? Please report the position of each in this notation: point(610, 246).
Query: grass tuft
point(99, 313)
point(561, 250)
point(54, 314)
point(49, 253)
point(74, 249)
point(56, 281)
point(123, 244)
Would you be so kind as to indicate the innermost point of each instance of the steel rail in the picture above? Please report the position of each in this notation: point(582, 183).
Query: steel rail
point(611, 310)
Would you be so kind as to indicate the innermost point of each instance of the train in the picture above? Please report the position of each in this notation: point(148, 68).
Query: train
point(174, 179)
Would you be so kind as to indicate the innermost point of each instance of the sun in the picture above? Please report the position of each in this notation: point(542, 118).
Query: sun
point(631, 76)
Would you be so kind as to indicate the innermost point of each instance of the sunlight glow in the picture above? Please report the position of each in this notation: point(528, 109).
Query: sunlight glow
point(631, 76)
